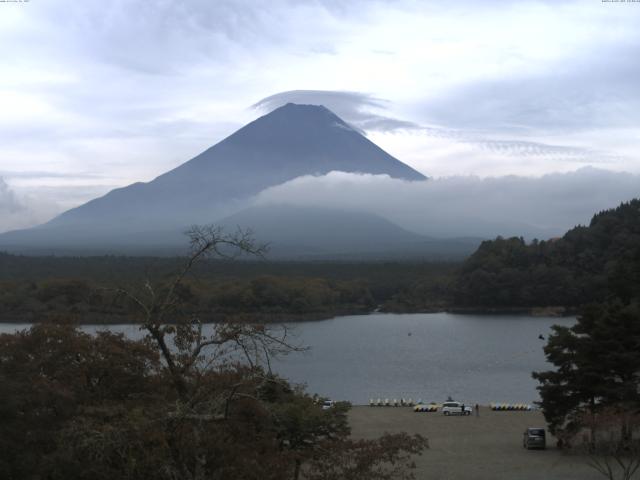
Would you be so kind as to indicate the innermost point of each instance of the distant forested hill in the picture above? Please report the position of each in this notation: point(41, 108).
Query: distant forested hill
point(589, 263)
point(34, 289)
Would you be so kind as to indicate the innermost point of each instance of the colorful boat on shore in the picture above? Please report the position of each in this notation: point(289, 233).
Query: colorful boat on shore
point(503, 407)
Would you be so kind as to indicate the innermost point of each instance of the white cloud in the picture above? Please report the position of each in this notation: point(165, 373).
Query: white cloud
point(9, 203)
point(540, 207)
point(17, 211)
point(128, 89)
point(361, 110)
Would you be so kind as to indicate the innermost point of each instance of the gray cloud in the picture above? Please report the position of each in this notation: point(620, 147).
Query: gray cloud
point(356, 108)
point(23, 207)
point(32, 174)
point(539, 207)
point(359, 110)
point(156, 38)
point(134, 88)
point(9, 203)
point(598, 89)
point(519, 147)
point(533, 150)
point(14, 210)
point(516, 147)
point(128, 89)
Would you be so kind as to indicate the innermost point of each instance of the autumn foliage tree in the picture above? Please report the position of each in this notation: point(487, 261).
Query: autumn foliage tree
point(187, 401)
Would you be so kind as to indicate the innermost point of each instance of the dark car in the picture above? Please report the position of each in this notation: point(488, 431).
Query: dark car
point(534, 438)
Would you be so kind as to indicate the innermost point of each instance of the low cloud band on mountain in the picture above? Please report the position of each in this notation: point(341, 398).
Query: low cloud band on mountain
point(20, 210)
point(300, 156)
point(533, 207)
point(12, 209)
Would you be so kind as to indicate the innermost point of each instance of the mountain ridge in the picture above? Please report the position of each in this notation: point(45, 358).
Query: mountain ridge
point(289, 142)
point(276, 140)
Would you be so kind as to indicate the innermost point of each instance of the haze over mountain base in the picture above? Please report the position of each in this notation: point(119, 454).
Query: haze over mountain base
point(312, 186)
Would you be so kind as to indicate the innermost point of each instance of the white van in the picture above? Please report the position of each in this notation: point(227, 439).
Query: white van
point(456, 408)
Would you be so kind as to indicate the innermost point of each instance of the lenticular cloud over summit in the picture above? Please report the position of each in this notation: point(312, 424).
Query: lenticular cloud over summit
point(540, 207)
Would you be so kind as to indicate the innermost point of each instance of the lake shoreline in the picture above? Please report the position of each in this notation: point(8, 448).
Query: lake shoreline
point(417, 356)
point(94, 318)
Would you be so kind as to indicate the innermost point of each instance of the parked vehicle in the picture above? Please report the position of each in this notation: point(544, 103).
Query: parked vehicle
point(534, 437)
point(455, 408)
point(327, 404)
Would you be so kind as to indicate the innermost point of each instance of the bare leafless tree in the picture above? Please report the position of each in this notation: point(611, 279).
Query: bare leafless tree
point(613, 451)
point(186, 348)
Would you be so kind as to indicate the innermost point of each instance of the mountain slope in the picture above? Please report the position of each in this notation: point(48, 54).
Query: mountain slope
point(291, 141)
point(317, 232)
point(314, 230)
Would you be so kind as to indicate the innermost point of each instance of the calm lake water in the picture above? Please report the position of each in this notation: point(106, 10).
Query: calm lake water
point(473, 358)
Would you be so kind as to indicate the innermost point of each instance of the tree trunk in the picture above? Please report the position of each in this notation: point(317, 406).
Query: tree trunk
point(296, 471)
point(625, 433)
point(592, 428)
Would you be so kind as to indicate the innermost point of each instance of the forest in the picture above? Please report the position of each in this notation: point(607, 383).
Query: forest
point(591, 396)
point(177, 404)
point(589, 263)
point(37, 288)
point(104, 406)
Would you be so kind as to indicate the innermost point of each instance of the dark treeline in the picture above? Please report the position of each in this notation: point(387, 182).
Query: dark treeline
point(40, 288)
point(178, 404)
point(588, 264)
point(591, 396)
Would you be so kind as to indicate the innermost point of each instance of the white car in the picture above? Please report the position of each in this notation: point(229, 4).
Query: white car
point(327, 404)
point(456, 408)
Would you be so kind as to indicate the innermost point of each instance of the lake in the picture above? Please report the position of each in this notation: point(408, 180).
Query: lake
point(472, 358)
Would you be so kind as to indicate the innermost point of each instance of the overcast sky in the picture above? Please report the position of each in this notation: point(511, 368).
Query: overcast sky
point(96, 94)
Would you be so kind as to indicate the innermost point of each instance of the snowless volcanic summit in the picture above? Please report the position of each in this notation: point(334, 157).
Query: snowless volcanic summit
point(289, 142)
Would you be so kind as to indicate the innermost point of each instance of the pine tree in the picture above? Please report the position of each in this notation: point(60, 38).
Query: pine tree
point(597, 366)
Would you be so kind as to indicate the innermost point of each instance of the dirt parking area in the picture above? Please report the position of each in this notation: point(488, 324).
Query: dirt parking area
point(484, 447)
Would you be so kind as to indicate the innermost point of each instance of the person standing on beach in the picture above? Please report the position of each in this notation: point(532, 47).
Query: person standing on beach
point(477, 410)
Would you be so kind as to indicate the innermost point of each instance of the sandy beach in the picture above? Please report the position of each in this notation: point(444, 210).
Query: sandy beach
point(485, 447)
